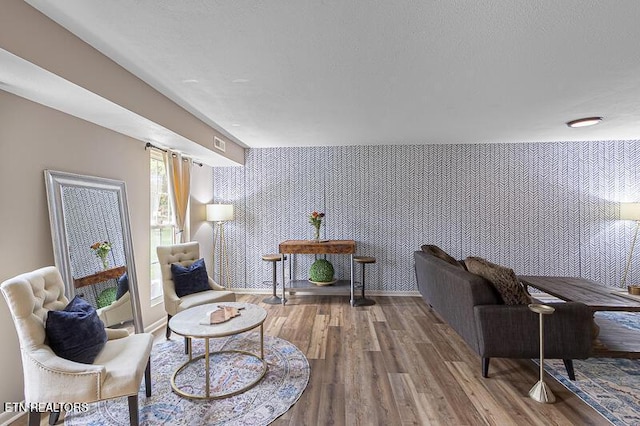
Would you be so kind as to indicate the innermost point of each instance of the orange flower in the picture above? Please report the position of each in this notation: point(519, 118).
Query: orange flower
point(316, 218)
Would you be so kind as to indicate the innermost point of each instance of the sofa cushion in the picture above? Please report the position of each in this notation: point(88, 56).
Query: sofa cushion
point(441, 254)
point(502, 278)
point(189, 280)
point(76, 333)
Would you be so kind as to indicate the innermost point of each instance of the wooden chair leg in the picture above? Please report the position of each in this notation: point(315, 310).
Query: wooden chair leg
point(168, 332)
point(485, 367)
point(147, 378)
point(133, 410)
point(568, 365)
point(34, 418)
point(53, 417)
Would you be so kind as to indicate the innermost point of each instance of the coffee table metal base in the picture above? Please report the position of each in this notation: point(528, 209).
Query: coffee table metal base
point(207, 357)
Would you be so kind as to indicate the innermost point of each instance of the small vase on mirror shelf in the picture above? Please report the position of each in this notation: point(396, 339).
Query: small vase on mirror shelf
point(101, 250)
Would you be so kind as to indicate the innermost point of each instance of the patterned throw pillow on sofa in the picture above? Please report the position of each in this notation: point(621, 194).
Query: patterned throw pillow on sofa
point(441, 254)
point(503, 279)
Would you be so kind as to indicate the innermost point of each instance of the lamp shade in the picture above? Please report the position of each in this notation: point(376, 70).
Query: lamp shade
point(630, 211)
point(219, 212)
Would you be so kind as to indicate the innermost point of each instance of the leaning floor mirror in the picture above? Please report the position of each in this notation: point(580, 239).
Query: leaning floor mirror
point(92, 244)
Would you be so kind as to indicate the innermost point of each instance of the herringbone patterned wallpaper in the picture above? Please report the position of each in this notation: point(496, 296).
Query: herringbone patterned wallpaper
point(543, 209)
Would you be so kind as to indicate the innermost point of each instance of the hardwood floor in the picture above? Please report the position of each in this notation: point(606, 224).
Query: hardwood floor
point(396, 363)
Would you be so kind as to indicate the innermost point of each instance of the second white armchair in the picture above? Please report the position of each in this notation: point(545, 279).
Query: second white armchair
point(185, 254)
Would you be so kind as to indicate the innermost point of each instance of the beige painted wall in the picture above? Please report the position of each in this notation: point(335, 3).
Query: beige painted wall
point(34, 138)
point(201, 195)
point(27, 33)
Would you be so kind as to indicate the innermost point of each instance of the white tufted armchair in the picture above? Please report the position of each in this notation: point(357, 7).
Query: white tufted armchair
point(116, 372)
point(185, 254)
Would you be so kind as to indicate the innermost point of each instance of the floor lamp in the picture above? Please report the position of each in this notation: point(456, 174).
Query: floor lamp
point(220, 213)
point(630, 211)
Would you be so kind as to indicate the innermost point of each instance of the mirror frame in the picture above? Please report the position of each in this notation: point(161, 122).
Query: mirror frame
point(55, 181)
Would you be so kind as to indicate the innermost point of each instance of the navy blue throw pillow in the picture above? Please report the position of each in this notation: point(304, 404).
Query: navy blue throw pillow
point(76, 333)
point(193, 279)
point(123, 286)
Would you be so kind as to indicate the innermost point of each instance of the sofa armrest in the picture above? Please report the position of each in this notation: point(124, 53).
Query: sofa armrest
point(511, 331)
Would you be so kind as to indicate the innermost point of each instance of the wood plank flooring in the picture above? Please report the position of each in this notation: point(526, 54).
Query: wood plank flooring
point(397, 363)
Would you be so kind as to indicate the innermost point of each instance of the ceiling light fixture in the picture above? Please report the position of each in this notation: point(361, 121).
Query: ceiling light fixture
point(584, 122)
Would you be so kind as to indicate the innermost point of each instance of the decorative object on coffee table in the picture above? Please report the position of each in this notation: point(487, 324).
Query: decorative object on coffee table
point(540, 391)
point(630, 211)
point(321, 272)
point(222, 314)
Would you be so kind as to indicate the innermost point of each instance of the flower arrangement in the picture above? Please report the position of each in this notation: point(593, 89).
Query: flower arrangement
point(316, 220)
point(101, 250)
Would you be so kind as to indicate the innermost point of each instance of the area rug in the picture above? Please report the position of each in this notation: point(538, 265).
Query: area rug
point(286, 378)
point(610, 385)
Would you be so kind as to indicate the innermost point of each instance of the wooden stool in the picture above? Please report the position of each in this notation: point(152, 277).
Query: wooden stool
point(274, 258)
point(363, 260)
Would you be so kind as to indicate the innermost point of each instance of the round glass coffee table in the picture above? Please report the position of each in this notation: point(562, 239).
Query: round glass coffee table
point(190, 323)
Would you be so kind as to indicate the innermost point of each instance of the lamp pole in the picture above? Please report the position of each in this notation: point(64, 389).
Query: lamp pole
point(220, 213)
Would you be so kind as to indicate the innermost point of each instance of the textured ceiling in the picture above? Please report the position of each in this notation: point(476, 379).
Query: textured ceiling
point(304, 73)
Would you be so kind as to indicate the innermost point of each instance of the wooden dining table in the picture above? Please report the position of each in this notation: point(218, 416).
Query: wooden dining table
point(295, 247)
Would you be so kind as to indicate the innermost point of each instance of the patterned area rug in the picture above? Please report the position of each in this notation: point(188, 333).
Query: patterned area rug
point(284, 382)
point(611, 386)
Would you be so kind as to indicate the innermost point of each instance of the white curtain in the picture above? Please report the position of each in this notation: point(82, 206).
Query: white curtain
point(179, 175)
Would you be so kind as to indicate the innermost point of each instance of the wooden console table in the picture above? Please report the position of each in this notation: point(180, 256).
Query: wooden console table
point(613, 340)
point(98, 277)
point(293, 247)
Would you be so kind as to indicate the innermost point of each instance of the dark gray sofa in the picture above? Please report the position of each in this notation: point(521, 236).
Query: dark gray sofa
point(474, 309)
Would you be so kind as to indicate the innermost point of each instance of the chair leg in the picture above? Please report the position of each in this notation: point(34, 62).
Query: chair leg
point(168, 332)
point(133, 410)
point(34, 418)
point(568, 365)
point(485, 367)
point(53, 417)
point(147, 378)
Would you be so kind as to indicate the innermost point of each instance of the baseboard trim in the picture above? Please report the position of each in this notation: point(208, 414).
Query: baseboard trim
point(151, 328)
point(368, 292)
point(8, 418)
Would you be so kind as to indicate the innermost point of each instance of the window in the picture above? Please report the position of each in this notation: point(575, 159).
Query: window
point(163, 228)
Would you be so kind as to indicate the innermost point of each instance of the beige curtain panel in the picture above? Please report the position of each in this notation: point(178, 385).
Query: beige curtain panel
point(179, 174)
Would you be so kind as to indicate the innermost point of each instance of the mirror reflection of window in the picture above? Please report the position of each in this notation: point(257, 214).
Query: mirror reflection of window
point(163, 228)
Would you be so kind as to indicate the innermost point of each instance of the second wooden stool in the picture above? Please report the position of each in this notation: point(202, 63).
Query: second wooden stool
point(363, 260)
point(273, 258)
